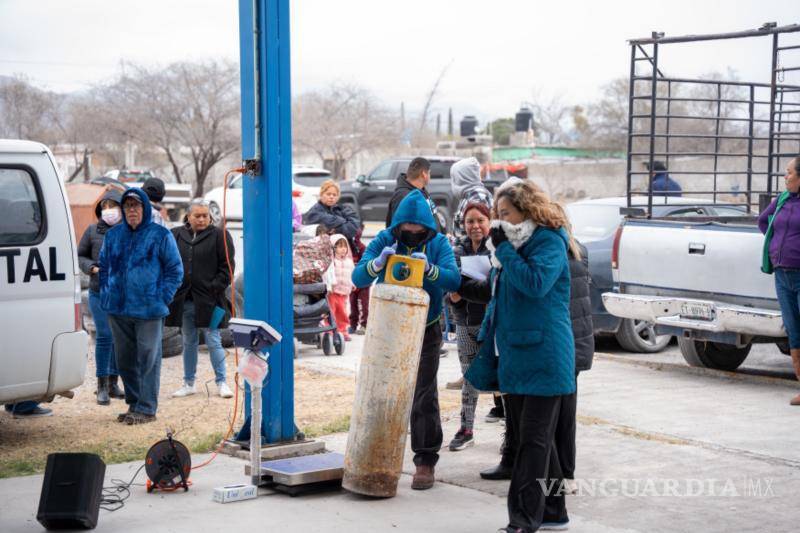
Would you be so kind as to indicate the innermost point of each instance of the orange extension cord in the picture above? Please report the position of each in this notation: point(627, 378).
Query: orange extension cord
point(233, 314)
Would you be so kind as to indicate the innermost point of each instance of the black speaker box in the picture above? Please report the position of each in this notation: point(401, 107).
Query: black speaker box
point(71, 491)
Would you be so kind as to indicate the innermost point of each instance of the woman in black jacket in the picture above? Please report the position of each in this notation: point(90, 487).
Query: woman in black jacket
point(202, 299)
point(108, 214)
point(580, 310)
point(468, 314)
point(327, 212)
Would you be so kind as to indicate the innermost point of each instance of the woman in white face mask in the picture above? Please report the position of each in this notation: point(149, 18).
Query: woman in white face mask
point(108, 214)
point(527, 350)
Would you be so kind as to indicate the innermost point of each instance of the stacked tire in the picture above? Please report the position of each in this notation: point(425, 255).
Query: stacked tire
point(171, 341)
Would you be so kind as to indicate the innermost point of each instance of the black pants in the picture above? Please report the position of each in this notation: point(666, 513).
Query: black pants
point(565, 433)
point(564, 439)
point(536, 462)
point(426, 424)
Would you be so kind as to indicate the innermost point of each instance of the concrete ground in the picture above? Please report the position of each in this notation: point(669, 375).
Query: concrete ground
point(660, 448)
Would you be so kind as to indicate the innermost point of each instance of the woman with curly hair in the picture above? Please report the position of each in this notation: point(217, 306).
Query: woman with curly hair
point(528, 352)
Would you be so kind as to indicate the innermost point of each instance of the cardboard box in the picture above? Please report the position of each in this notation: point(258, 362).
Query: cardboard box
point(234, 493)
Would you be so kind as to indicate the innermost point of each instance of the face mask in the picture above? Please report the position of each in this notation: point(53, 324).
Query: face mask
point(111, 216)
point(412, 239)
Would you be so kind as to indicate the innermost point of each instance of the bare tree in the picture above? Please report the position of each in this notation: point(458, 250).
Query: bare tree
point(341, 122)
point(25, 111)
point(550, 116)
point(191, 107)
point(423, 118)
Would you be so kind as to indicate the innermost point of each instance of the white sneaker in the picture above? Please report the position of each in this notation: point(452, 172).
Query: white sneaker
point(186, 390)
point(224, 390)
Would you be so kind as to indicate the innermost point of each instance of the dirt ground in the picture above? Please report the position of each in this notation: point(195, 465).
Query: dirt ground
point(323, 404)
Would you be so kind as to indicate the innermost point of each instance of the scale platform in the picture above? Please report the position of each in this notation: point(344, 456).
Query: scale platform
point(305, 470)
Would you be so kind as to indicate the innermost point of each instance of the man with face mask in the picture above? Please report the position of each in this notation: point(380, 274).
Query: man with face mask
point(109, 213)
point(414, 232)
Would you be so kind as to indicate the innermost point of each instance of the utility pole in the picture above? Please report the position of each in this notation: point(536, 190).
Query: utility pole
point(450, 122)
point(267, 152)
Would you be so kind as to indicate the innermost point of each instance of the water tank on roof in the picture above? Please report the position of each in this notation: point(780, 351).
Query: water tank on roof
point(523, 120)
point(468, 125)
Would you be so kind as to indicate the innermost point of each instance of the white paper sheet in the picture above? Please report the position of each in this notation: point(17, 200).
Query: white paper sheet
point(476, 266)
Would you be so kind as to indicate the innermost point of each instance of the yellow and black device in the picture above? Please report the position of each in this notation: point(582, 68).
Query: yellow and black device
point(405, 271)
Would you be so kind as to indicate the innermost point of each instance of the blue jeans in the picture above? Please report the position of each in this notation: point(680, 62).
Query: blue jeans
point(104, 358)
point(21, 407)
point(138, 347)
point(787, 285)
point(191, 338)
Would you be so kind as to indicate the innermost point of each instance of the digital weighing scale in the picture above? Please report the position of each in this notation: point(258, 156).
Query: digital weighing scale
point(309, 473)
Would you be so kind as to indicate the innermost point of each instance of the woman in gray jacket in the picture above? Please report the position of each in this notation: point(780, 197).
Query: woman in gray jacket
point(108, 214)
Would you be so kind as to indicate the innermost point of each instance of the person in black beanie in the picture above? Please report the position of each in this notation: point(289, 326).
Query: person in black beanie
point(155, 191)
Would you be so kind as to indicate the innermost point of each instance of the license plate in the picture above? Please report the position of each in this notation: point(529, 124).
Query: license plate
point(697, 311)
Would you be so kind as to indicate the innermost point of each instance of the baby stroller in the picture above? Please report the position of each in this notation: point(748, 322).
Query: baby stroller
point(313, 321)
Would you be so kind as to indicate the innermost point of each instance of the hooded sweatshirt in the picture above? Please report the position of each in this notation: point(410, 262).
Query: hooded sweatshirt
point(467, 187)
point(784, 248)
point(92, 240)
point(443, 275)
point(341, 269)
point(401, 190)
point(140, 269)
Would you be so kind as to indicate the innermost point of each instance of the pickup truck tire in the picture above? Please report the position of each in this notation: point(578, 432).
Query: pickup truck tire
point(639, 336)
point(707, 354)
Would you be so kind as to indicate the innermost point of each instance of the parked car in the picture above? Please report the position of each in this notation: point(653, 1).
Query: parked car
point(369, 194)
point(594, 223)
point(44, 347)
point(306, 181)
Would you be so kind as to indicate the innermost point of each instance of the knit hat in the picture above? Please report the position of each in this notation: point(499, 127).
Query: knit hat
point(154, 188)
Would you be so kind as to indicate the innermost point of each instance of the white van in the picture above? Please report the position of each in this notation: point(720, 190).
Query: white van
point(43, 349)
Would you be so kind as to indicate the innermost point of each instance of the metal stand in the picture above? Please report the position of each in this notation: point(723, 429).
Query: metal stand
point(255, 436)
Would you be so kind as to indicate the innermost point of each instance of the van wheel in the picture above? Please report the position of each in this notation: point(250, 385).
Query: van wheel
point(639, 336)
point(715, 355)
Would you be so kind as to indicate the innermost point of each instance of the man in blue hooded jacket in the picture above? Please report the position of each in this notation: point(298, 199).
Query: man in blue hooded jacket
point(140, 270)
point(414, 232)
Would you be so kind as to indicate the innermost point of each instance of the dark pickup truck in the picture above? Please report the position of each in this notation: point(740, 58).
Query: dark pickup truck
point(370, 194)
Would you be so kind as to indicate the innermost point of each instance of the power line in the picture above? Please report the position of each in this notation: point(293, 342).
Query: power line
point(54, 63)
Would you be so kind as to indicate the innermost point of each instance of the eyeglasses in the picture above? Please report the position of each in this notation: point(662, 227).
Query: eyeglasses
point(131, 206)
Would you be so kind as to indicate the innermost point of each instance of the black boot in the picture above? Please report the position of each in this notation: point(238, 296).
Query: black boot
point(113, 389)
point(102, 391)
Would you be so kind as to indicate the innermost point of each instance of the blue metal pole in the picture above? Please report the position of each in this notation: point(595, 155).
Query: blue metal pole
point(267, 141)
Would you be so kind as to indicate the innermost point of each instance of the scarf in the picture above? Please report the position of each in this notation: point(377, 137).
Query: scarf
point(518, 234)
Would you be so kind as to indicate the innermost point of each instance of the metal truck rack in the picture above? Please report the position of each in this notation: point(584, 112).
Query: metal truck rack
point(751, 125)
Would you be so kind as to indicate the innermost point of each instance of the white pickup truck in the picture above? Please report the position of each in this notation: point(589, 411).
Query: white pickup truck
point(700, 281)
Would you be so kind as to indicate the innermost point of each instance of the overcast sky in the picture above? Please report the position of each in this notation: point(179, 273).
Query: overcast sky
point(500, 51)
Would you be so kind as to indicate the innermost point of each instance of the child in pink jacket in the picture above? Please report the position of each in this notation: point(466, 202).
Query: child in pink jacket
point(339, 283)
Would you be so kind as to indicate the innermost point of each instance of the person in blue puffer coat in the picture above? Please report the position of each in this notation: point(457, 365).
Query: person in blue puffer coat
point(414, 232)
point(140, 271)
point(528, 350)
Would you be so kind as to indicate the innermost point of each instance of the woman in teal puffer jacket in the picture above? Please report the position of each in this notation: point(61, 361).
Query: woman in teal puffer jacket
point(527, 349)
